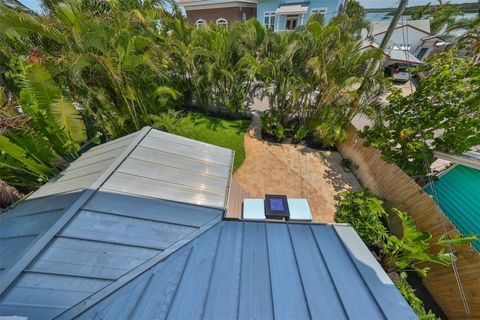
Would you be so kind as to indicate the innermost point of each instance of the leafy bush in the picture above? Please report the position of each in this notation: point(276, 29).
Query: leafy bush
point(398, 254)
point(365, 214)
point(411, 250)
point(38, 138)
point(443, 114)
point(409, 294)
point(171, 121)
point(271, 126)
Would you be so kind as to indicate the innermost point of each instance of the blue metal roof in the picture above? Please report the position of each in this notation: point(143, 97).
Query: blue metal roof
point(113, 209)
point(143, 237)
point(257, 270)
point(458, 195)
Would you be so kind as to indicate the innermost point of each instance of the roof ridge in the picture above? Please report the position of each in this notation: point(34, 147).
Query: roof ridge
point(134, 273)
point(42, 240)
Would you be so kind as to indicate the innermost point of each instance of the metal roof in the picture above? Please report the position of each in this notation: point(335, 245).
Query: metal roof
point(458, 195)
point(403, 56)
point(145, 239)
point(114, 208)
point(256, 270)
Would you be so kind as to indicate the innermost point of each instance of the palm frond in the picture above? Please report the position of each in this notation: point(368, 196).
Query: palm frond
point(69, 120)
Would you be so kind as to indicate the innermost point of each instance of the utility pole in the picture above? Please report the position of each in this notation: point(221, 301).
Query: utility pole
point(374, 63)
point(393, 24)
point(401, 7)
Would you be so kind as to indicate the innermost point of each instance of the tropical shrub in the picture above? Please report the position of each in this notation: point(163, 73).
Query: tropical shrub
point(38, 137)
point(108, 54)
point(409, 294)
point(171, 121)
point(411, 250)
point(407, 252)
point(314, 78)
point(442, 114)
point(364, 212)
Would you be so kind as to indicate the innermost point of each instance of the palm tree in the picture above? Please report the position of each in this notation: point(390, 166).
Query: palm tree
point(470, 40)
point(108, 54)
point(313, 77)
point(38, 137)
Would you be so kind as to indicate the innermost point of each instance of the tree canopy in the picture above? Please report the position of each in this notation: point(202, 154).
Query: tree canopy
point(442, 114)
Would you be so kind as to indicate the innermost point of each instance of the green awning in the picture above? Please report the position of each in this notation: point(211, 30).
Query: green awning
point(458, 195)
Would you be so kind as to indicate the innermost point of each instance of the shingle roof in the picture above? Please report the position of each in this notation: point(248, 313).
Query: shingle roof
point(146, 240)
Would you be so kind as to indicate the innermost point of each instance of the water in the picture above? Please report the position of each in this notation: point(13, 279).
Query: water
point(379, 16)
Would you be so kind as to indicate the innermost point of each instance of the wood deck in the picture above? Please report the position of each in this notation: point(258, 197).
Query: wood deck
point(235, 200)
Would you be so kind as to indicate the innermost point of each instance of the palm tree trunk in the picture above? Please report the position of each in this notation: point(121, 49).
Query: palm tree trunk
point(8, 194)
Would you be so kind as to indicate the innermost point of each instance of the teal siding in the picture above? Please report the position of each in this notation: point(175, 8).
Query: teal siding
point(331, 6)
point(458, 195)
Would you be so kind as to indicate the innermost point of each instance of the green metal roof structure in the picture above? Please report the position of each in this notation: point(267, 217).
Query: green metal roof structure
point(458, 195)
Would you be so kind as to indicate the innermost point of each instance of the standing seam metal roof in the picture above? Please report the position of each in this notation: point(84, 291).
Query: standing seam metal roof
point(116, 207)
point(144, 238)
point(256, 270)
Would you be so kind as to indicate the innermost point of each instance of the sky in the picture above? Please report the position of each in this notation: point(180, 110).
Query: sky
point(394, 3)
point(35, 4)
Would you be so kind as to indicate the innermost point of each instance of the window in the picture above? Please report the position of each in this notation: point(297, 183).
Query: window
point(291, 21)
point(422, 53)
point(319, 12)
point(201, 23)
point(222, 22)
point(269, 20)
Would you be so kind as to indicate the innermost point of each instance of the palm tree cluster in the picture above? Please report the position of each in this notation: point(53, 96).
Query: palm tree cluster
point(86, 68)
point(317, 79)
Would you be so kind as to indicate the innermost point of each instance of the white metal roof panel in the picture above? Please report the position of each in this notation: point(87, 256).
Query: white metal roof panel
point(120, 216)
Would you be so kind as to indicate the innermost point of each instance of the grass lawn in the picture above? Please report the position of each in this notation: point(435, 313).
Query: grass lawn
point(220, 132)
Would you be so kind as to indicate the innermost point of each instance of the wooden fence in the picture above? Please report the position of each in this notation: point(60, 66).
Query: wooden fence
point(390, 183)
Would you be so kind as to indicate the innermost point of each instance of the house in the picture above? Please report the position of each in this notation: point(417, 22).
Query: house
point(413, 36)
point(394, 56)
point(135, 228)
point(220, 12)
point(457, 192)
point(285, 15)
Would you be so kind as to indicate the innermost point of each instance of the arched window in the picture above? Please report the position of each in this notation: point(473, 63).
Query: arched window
point(222, 22)
point(201, 23)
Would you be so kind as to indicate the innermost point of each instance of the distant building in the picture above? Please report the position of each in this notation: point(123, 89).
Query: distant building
point(220, 12)
point(413, 36)
point(285, 15)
